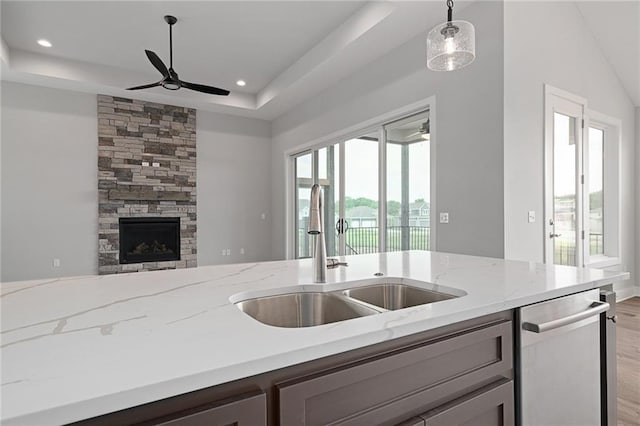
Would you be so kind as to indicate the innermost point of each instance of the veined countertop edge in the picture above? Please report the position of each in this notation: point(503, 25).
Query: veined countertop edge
point(492, 275)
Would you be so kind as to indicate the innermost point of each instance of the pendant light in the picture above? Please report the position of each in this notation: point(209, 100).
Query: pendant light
point(451, 45)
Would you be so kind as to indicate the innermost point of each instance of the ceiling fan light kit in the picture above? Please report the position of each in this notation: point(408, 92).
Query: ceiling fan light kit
point(451, 45)
point(170, 79)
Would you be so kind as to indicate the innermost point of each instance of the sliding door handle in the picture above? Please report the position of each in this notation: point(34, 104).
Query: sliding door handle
point(594, 309)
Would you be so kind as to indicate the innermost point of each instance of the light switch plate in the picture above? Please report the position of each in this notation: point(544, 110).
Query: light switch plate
point(532, 216)
point(444, 217)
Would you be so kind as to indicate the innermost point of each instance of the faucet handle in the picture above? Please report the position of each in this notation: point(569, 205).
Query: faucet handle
point(334, 263)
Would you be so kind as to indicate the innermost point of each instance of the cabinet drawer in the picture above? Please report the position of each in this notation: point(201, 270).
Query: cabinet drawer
point(241, 411)
point(392, 388)
point(490, 406)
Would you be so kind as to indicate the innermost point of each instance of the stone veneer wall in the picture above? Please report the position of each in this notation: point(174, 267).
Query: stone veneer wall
point(131, 132)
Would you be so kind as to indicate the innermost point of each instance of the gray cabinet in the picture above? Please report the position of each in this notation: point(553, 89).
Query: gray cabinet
point(490, 406)
point(398, 386)
point(439, 376)
point(241, 411)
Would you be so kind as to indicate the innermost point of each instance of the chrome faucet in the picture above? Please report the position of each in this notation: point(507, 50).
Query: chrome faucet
point(316, 227)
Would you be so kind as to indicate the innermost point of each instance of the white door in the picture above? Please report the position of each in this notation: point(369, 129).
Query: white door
point(564, 180)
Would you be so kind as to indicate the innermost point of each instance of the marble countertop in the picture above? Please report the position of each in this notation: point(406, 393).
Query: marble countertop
point(75, 348)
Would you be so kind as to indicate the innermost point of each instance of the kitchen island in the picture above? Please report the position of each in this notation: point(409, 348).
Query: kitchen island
point(80, 347)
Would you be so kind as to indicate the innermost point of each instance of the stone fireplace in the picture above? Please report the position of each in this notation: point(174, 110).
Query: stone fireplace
point(146, 186)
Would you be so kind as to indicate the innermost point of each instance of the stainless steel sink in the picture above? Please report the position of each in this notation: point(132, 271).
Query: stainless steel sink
point(303, 309)
point(396, 296)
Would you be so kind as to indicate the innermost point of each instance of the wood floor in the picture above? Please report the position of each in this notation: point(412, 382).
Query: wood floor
point(628, 351)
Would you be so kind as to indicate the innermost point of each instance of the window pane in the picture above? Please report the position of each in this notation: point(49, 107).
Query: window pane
point(329, 179)
point(361, 194)
point(322, 163)
point(564, 189)
point(595, 188)
point(303, 193)
point(408, 184)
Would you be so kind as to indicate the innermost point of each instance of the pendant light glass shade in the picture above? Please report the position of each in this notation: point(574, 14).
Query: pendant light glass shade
point(451, 46)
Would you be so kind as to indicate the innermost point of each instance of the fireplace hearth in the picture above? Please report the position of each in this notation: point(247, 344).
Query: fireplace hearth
point(149, 239)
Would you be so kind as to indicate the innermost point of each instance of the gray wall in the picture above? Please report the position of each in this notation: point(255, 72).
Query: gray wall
point(548, 42)
point(637, 168)
point(234, 188)
point(50, 190)
point(469, 175)
point(49, 182)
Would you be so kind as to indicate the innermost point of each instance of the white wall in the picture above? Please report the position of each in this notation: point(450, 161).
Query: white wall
point(234, 188)
point(469, 176)
point(548, 42)
point(49, 182)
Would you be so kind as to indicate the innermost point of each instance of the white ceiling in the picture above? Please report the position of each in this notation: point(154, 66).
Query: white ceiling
point(286, 51)
point(214, 43)
point(615, 25)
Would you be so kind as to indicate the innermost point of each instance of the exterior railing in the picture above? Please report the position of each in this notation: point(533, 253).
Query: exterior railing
point(365, 240)
point(564, 252)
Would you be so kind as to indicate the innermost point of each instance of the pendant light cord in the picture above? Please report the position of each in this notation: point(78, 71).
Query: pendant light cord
point(450, 11)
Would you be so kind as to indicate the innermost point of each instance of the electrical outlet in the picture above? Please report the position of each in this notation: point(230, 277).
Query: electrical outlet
point(56, 263)
point(228, 252)
point(154, 164)
point(532, 216)
point(444, 217)
point(263, 216)
point(242, 250)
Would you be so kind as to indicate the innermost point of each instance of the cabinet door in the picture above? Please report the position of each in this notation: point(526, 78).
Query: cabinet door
point(489, 406)
point(241, 411)
point(389, 389)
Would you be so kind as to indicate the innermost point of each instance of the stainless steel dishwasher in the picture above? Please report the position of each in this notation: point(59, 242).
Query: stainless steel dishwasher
point(560, 361)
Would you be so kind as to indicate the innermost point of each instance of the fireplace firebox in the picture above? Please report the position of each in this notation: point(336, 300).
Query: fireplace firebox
point(149, 239)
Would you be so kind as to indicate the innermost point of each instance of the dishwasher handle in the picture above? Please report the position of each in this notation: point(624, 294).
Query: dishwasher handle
point(594, 309)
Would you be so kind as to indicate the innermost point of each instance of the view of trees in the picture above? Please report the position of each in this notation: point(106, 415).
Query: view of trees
point(393, 207)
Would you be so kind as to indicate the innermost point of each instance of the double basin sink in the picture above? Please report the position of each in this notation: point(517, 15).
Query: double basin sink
point(308, 309)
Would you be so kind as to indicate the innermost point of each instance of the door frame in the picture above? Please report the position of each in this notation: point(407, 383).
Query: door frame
point(352, 132)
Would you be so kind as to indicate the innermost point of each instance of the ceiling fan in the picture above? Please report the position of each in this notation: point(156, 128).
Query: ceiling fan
point(170, 78)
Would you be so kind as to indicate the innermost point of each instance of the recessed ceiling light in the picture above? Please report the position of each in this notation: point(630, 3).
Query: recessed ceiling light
point(44, 43)
point(241, 83)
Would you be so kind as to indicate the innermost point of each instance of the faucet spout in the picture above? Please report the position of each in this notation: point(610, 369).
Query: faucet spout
point(316, 227)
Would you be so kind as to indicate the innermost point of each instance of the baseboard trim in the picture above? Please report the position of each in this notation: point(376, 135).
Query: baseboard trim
point(627, 293)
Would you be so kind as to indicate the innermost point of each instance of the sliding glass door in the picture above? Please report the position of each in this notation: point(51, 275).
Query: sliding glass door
point(359, 217)
point(408, 184)
point(359, 220)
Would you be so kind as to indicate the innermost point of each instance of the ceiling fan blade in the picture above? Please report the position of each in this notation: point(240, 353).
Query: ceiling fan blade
point(204, 89)
point(157, 62)
point(145, 86)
